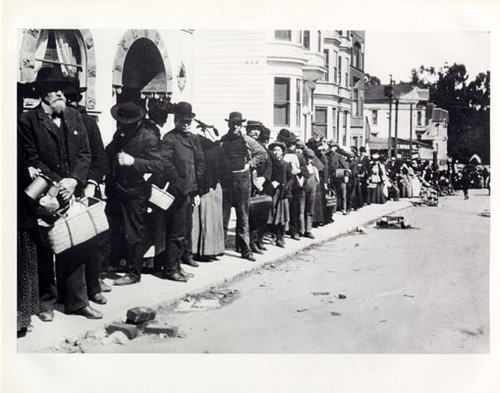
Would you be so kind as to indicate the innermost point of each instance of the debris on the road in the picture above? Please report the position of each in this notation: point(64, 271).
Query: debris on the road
point(97, 334)
point(342, 296)
point(356, 245)
point(302, 310)
point(116, 337)
point(161, 329)
point(383, 321)
point(393, 222)
point(73, 340)
point(484, 213)
point(361, 230)
point(335, 314)
point(130, 330)
point(208, 300)
point(320, 293)
point(408, 295)
point(138, 315)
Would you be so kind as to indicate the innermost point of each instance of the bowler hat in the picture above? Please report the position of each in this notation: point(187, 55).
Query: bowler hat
point(73, 87)
point(254, 125)
point(283, 135)
point(308, 153)
point(183, 110)
point(127, 112)
point(362, 149)
point(236, 117)
point(277, 143)
point(50, 78)
point(265, 134)
point(286, 137)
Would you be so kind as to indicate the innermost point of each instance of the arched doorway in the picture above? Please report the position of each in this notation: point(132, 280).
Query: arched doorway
point(72, 51)
point(142, 68)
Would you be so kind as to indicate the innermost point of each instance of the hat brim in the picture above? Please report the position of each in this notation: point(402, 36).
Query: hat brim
point(190, 117)
point(130, 120)
point(274, 144)
point(50, 85)
point(235, 121)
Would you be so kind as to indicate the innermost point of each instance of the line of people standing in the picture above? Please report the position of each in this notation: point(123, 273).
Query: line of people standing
point(280, 189)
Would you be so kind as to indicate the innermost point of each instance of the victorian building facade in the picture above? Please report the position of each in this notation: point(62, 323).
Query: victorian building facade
point(309, 81)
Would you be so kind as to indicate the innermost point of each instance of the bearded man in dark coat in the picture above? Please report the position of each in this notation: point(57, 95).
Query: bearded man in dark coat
point(55, 143)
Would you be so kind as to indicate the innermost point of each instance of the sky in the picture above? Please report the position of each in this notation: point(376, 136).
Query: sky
point(397, 53)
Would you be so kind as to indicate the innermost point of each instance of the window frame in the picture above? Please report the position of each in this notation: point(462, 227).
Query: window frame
point(287, 37)
point(286, 102)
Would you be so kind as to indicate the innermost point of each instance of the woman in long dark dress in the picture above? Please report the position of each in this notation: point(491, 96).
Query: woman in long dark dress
point(208, 227)
point(27, 238)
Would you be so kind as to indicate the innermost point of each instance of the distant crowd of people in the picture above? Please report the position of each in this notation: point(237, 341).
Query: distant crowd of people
point(281, 190)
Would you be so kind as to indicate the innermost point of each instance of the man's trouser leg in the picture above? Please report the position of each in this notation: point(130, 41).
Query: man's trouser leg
point(92, 266)
point(116, 236)
point(241, 195)
point(176, 228)
point(46, 275)
point(294, 224)
point(310, 201)
point(70, 269)
point(134, 215)
point(227, 202)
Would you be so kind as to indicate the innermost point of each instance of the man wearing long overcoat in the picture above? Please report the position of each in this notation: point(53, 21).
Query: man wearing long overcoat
point(55, 142)
point(133, 153)
point(183, 167)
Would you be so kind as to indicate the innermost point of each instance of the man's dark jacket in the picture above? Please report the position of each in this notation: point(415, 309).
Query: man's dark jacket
point(183, 162)
point(46, 148)
point(129, 181)
point(98, 166)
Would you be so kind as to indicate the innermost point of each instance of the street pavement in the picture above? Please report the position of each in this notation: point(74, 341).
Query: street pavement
point(155, 292)
point(421, 290)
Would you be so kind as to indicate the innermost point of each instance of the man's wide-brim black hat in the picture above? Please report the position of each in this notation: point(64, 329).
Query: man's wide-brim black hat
point(127, 112)
point(50, 78)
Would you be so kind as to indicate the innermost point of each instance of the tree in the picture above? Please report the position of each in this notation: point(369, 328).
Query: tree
point(423, 76)
point(371, 80)
point(468, 106)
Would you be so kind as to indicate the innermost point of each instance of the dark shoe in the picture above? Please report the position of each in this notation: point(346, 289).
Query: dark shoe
point(127, 280)
point(22, 332)
point(280, 243)
point(104, 287)
point(190, 262)
point(261, 247)
point(203, 258)
point(46, 316)
point(295, 236)
point(175, 277)
point(248, 256)
point(309, 235)
point(88, 312)
point(255, 249)
point(99, 298)
point(184, 273)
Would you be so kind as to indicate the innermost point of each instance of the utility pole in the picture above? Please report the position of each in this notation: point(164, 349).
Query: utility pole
point(411, 131)
point(396, 130)
point(389, 93)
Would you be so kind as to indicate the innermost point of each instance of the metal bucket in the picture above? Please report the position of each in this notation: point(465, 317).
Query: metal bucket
point(37, 187)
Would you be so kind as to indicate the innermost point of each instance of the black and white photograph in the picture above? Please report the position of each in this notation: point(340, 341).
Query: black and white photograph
point(301, 192)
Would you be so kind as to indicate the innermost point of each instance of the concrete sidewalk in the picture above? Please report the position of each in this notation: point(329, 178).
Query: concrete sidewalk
point(155, 292)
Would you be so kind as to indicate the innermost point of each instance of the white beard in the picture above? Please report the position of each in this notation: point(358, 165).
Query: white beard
point(58, 106)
